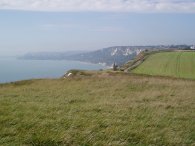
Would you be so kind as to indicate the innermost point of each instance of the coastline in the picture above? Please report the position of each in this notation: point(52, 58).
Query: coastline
point(14, 69)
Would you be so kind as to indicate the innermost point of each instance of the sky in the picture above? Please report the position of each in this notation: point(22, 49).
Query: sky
point(69, 25)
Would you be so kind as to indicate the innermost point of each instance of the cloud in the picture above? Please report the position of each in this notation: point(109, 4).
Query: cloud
point(180, 6)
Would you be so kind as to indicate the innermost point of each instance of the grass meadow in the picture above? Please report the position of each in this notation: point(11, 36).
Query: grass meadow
point(117, 109)
point(175, 64)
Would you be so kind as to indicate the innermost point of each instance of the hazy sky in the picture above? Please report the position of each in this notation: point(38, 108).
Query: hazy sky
point(61, 25)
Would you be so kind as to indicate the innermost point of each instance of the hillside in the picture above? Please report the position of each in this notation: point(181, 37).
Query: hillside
point(106, 56)
point(98, 108)
point(175, 64)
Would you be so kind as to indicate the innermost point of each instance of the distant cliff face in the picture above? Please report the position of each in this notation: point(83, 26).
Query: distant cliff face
point(119, 54)
point(107, 56)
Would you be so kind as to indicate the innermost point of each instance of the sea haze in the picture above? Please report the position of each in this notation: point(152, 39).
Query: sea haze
point(13, 69)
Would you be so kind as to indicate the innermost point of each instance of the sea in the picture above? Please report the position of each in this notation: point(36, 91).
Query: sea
point(13, 69)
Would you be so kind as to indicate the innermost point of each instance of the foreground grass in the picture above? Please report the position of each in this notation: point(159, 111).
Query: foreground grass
point(175, 64)
point(115, 110)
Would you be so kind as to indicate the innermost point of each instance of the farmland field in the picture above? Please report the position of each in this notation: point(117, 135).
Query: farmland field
point(105, 109)
point(175, 64)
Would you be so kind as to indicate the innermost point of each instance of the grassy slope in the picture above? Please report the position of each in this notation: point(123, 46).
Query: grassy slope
point(115, 110)
point(176, 64)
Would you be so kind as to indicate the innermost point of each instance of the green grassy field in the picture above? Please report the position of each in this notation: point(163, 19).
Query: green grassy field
point(104, 109)
point(175, 64)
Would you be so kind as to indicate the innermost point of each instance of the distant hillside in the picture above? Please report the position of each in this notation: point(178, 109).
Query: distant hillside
point(176, 64)
point(49, 55)
point(107, 56)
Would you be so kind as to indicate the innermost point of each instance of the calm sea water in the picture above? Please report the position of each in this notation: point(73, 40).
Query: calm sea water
point(12, 69)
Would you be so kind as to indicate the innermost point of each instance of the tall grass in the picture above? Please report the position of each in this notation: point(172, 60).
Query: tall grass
point(113, 110)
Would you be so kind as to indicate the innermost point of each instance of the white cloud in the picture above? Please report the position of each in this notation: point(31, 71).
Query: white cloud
point(181, 6)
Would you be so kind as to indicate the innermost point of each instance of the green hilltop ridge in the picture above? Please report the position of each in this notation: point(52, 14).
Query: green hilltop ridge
point(180, 64)
point(104, 107)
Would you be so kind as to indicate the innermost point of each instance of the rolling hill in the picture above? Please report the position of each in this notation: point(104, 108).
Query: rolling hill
point(175, 64)
point(100, 108)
